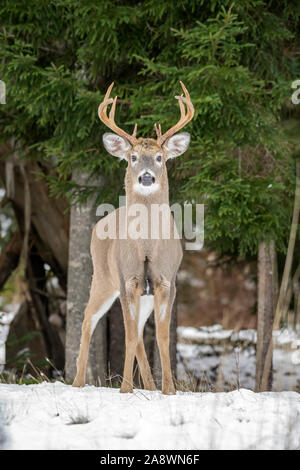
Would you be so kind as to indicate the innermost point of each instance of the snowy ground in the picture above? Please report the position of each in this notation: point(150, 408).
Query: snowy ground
point(225, 359)
point(57, 416)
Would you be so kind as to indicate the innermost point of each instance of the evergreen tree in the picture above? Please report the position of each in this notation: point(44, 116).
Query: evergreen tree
point(237, 60)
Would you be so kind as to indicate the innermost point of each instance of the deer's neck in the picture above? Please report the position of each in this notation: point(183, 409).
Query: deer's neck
point(152, 214)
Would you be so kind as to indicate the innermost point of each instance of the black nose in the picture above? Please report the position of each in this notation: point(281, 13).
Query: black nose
point(146, 179)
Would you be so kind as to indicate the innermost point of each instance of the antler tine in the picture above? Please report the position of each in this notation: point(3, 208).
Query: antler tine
point(157, 130)
point(113, 109)
point(185, 117)
point(109, 121)
point(181, 106)
point(108, 91)
point(134, 130)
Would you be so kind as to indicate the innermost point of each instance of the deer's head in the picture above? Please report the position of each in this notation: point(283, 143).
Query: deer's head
point(146, 157)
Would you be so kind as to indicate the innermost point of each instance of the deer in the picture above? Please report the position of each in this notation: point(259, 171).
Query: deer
point(141, 272)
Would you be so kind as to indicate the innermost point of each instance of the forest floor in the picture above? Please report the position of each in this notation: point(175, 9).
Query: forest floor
point(58, 416)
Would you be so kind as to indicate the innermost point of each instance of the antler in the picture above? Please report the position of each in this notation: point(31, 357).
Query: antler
point(109, 121)
point(185, 117)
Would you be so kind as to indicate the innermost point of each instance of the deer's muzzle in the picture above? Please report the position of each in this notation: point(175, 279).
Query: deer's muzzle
point(146, 179)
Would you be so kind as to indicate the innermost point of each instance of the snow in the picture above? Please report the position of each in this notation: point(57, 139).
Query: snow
point(209, 353)
point(215, 333)
point(5, 222)
point(5, 321)
point(58, 416)
point(203, 333)
point(237, 367)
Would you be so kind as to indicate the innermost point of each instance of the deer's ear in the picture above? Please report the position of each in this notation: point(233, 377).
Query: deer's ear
point(177, 144)
point(116, 145)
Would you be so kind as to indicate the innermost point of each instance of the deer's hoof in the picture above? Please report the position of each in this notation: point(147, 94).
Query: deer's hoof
point(152, 388)
point(168, 390)
point(126, 389)
point(78, 383)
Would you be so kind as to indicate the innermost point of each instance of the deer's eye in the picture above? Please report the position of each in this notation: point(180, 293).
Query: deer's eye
point(158, 158)
point(133, 158)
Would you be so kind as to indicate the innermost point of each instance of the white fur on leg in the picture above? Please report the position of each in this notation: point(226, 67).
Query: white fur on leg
point(132, 311)
point(146, 308)
point(102, 310)
point(163, 311)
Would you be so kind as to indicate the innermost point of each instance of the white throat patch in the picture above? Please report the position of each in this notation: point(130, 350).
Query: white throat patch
point(146, 190)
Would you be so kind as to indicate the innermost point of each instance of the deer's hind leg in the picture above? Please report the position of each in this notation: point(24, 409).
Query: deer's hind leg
point(146, 308)
point(100, 301)
point(163, 302)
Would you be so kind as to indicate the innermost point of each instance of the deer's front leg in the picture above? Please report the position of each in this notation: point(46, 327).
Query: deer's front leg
point(130, 301)
point(79, 380)
point(164, 295)
point(101, 299)
point(144, 367)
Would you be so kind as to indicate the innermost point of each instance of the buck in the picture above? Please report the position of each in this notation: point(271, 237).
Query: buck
point(141, 272)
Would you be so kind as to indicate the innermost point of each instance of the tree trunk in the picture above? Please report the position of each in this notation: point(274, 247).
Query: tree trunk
point(83, 219)
point(40, 309)
point(43, 227)
point(49, 218)
point(10, 256)
point(267, 276)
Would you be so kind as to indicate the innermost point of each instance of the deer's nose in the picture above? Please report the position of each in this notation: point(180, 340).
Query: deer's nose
point(146, 179)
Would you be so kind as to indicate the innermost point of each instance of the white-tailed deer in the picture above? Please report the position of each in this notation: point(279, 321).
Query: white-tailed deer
point(142, 271)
